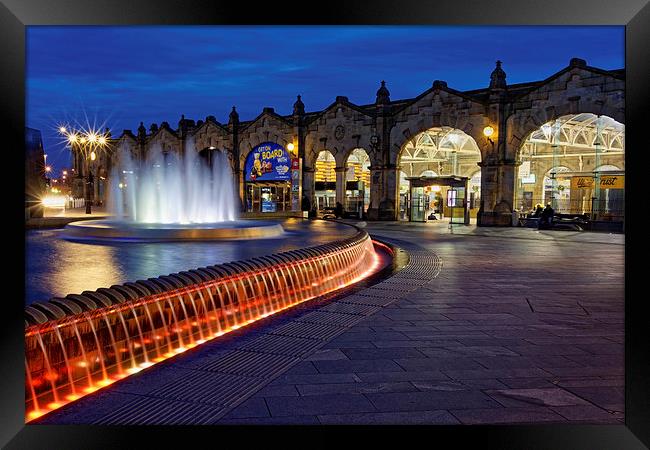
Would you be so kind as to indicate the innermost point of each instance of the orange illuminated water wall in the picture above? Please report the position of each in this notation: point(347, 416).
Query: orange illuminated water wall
point(77, 345)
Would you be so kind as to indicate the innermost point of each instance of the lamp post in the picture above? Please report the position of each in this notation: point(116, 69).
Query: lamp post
point(87, 144)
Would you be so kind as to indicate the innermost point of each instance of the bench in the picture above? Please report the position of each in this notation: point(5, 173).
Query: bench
point(574, 222)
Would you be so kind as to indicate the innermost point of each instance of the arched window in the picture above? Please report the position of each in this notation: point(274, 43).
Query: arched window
point(325, 181)
point(587, 143)
point(357, 182)
point(358, 166)
point(325, 165)
point(452, 150)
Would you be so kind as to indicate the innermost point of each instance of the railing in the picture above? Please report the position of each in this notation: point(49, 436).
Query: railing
point(79, 344)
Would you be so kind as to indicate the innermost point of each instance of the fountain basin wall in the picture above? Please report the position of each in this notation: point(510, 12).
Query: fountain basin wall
point(81, 343)
point(112, 230)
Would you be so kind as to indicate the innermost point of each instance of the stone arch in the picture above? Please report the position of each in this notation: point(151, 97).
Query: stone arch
point(311, 155)
point(358, 168)
point(373, 155)
point(211, 135)
point(468, 123)
point(327, 158)
point(567, 142)
point(460, 138)
point(358, 153)
point(523, 123)
point(252, 140)
point(207, 153)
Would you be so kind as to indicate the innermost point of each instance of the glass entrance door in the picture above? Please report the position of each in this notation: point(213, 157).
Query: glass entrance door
point(417, 204)
point(457, 204)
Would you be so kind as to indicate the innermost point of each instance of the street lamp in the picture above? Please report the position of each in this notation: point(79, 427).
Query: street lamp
point(87, 143)
point(487, 132)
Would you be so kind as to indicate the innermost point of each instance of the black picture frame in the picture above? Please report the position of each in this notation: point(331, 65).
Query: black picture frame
point(16, 14)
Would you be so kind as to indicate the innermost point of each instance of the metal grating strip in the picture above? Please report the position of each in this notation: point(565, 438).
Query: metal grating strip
point(397, 288)
point(369, 301)
point(372, 292)
point(329, 318)
point(350, 308)
point(308, 330)
point(156, 411)
point(283, 345)
point(397, 280)
point(250, 364)
point(209, 387)
point(408, 277)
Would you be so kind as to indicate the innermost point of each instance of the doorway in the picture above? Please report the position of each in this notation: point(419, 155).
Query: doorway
point(438, 198)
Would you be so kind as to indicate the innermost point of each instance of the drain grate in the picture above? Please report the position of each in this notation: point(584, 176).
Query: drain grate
point(372, 292)
point(250, 364)
point(157, 411)
point(397, 280)
point(402, 287)
point(329, 318)
point(351, 308)
point(283, 345)
point(308, 330)
point(378, 302)
point(209, 387)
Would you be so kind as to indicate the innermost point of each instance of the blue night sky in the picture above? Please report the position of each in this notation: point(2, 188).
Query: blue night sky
point(119, 76)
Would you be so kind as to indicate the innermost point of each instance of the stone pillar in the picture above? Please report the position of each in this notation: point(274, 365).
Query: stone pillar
point(388, 203)
point(497, 193)
point(308, 187)
point(240, 188)
point(376, 177)
point(340, 184)
point(497, 173)
point(508, 179)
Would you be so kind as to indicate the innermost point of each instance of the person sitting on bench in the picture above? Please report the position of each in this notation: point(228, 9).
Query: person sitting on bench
point(546, 218)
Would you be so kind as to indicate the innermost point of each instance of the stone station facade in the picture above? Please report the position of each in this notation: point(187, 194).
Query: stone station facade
point(384, 128)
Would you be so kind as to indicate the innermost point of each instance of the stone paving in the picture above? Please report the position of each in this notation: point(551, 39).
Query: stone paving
point(483, 326)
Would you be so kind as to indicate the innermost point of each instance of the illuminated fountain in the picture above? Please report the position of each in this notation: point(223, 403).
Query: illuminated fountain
point(81, 343)
point(171, 197)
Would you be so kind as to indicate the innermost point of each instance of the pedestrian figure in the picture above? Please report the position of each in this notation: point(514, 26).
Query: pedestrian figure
point(338, 211)
point(538, 210)
point(546, 217)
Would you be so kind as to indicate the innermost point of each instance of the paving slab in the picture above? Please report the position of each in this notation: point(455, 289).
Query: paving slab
point(522, 398)
point(507, 416)
point(319, 405)
point(432, 400)
point(483, 326)
point(391, 418)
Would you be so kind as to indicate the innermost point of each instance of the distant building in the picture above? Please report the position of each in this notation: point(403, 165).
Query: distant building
point(35, 180)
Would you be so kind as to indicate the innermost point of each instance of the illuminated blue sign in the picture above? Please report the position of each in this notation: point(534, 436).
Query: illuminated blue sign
point(268, 162)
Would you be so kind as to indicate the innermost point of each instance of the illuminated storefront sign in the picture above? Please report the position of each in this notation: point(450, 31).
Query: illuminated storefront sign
point(268, 162)
point(606, 182)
